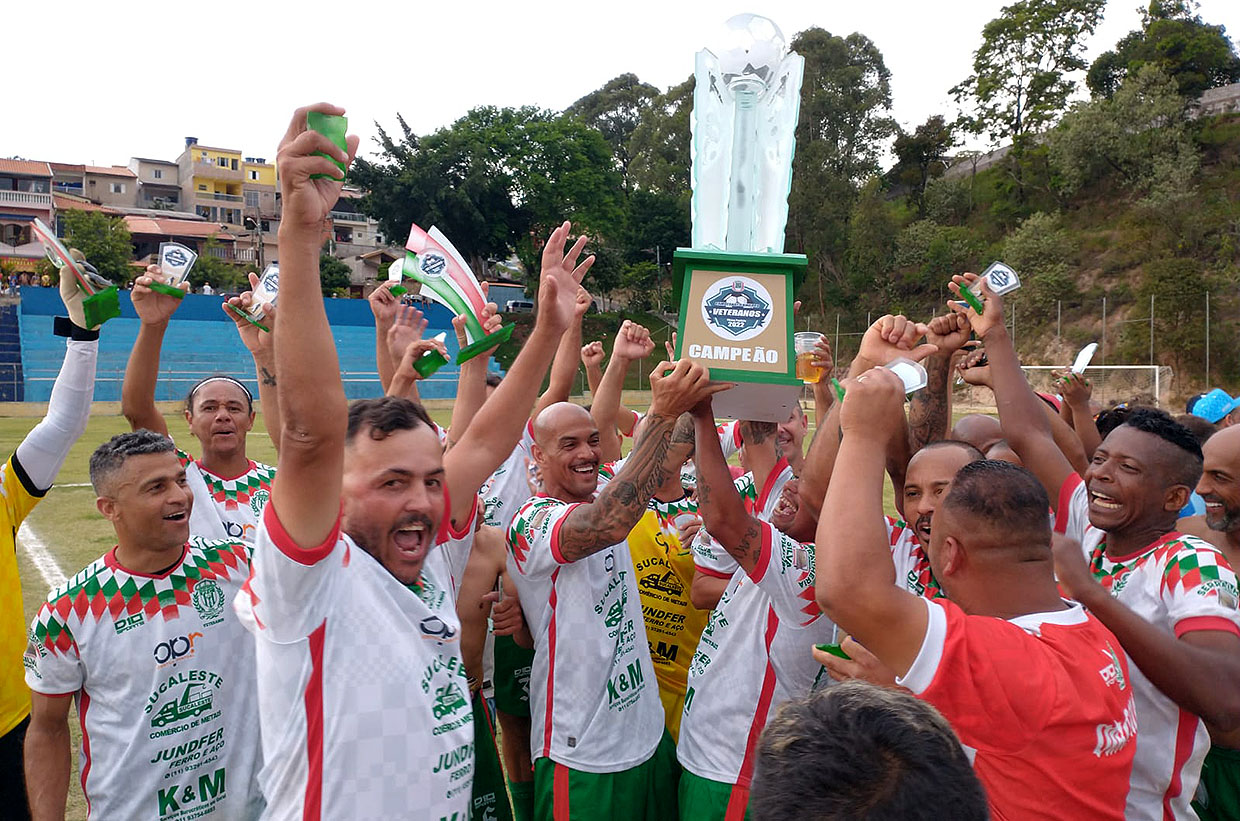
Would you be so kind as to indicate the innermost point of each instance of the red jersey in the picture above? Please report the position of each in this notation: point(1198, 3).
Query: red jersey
point(1043, 702)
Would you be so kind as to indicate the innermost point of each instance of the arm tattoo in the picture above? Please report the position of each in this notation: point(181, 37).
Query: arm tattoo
point(617, 509)
point(927, 415)
point(269, 378)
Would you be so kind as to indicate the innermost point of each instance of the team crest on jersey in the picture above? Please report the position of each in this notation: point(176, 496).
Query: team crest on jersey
point(1113, 672)
point(258, 501)
point(437, 630)
point(209, 600)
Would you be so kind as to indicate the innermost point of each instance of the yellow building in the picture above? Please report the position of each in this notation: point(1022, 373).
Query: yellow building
point(211, 182)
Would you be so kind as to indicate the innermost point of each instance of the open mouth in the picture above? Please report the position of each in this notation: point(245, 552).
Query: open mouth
point(584, 468)
point(1103, 501)
point(922, 529)
point(412, 539)
point(179, 516)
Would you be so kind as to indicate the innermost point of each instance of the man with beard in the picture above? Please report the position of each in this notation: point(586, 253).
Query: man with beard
point(1170, 599)
point(363, 697)
point(1013, 667)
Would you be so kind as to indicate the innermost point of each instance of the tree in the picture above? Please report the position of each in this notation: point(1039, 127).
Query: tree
point(1138, 135)
point(104, 240)
point(211, 267)
point(615, 111)
point(920, 157)
point(333, 275)
point(660, 143)
point(871, 235)
point(845, 105)
point(1195, 54)
point(1020, 78)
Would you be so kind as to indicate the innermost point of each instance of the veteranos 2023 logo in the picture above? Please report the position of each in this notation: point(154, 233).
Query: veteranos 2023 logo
point(737, 308)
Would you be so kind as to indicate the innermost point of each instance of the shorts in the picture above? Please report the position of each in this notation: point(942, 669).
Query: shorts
point(702, 799)
point(489, 798)
point(646, 792)
point(1218, 792)
point(512, 677)
point(13, 773)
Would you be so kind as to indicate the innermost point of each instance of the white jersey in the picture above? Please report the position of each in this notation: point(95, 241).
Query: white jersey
point(753, 656)
point(163, 675)
point(364, 701)
point(227, 508)
point(594, 700)
point(912, 566)
point(708, 555)
point(1179, 584)
point(509, 486)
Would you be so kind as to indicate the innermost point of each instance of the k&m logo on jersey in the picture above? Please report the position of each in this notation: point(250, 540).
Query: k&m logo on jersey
point(209, 600)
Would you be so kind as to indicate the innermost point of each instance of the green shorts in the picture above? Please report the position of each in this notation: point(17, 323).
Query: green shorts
point(489, 798)
point(512, 677)
point(704, 800)
point(1218, 792)
point(646, 792)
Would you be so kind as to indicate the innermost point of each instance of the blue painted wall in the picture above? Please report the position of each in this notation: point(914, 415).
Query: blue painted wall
point(201, 341)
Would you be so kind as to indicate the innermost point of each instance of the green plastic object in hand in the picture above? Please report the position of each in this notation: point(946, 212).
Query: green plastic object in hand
point(834, 649)
point(972, 300)
point(334, 128)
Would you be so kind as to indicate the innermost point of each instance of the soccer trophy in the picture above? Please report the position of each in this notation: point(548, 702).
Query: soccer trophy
point(736, 286)
point(175, 260)
point(101, 302)
point(265, 294)
point(446, 278)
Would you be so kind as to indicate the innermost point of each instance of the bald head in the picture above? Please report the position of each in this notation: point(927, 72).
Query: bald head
point(1219, 486)
point(555, 418)
point(980, 431)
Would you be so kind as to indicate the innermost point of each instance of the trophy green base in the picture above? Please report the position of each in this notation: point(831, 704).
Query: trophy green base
point(246, 316)
point(99, 307)
point(485, 344)
point(170, 290)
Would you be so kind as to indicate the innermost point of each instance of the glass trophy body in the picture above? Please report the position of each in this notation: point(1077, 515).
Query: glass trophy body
point(265, 294)
point(736, 286)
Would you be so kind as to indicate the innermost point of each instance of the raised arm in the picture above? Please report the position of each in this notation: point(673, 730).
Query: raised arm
point(306, 491)
point(1025, 424)
point(407, 327)
point(564, 365)
point(632, 343)
point(823, 390)
point(855, 579)
point(44, 450)
point(142, 372)
point(384, 306)
point(471, 382)
point(930, 409)
point(723, 513)
point(261, 345)
point(1076, 412)
point(665, 441)
point(497, 427)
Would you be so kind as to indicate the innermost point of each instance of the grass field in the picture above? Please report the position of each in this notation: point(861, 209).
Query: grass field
point(66, 528)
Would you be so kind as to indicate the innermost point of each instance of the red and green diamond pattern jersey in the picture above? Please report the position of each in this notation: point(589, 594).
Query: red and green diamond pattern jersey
point(163, 675)
point(236, 503)
point(1179, 584)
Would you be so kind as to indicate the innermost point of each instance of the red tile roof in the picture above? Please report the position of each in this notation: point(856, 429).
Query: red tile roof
point(65, 202)
point(111, 171)
point(30, 168)
point(60, 167)
point(175, 228)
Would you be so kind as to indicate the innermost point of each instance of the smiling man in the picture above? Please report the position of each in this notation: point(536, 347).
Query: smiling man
point(1170, 599)
point(146, 644)
point(365, 710)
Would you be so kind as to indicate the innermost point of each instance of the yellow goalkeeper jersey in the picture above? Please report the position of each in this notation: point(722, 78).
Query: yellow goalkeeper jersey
point(19, 499)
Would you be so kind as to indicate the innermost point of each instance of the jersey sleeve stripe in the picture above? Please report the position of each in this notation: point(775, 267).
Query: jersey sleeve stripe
point(767, 693)
point(769, 484)
point(1063, 509)
point(551, 648)
point(1185, 731)
point(764, 557)
point(467, 526)
point(925, 668)
point(27, 483)
point(302, 555)
point(555, 535)
point(83, 708)
point(1197, 623)
point(313, 699)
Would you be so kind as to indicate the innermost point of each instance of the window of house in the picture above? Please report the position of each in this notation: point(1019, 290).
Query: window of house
point(202, 188)
point(204, 156)
point(251, 199)
point(234, 165)
point(117, 187)
point(158, 173)
point(222, 161)
point(253, 175)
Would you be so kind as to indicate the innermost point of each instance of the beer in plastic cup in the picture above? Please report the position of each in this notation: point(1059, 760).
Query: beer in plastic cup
point(803, 343)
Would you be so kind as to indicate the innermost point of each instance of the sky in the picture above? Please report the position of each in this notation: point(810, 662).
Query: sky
point(104, 82)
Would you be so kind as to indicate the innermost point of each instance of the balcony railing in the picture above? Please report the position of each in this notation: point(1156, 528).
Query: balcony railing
point(25, 198)
point(211, 171)
point(208, 195)
point(347, 216)
point(238, 254)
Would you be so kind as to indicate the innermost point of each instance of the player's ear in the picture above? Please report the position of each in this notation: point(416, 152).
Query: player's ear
point(106, 506)
point(1176, 497)
point(952, 556)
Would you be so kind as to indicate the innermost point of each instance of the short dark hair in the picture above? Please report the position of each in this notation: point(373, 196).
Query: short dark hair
point(189, 397)
point(493, 379)
point(385, 415)
point(111, 455)
point(863, 753)
point(975, 453)
point(1111, 418)
point(1200, 428)
point(1005, 494)
point(1159, 423)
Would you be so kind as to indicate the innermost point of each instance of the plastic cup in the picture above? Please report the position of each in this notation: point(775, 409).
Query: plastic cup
point(803, 343)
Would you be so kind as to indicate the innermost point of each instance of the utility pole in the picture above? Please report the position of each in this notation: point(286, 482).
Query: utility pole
point(1151, 329)
point(1104, 330)
point(1207, 339)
